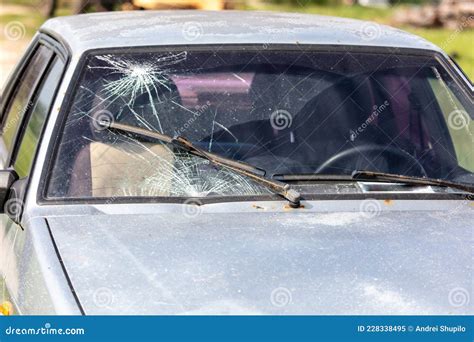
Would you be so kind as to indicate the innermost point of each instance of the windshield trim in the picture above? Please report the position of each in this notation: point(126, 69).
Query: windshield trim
point(263, 197)
point(42, 197)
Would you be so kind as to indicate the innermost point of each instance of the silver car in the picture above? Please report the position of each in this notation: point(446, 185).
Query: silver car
point(235, 163)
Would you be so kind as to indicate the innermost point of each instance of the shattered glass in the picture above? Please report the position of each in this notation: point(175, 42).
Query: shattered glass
point(284, 111)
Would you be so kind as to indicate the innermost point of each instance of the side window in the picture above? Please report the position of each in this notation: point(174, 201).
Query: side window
point(30, 136)
point(20, 101)
point(459, 121)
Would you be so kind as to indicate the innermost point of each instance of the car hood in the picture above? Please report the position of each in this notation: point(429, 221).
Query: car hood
point(264, 262)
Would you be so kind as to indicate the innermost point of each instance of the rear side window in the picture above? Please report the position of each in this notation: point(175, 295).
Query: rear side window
point(20, 101)
point(40, 109)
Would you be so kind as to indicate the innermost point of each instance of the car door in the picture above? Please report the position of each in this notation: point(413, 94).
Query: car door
point(24, 115)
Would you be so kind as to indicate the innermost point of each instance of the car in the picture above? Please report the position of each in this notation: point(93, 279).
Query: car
point(186, 162)
point(188, 4)
point(83, 6)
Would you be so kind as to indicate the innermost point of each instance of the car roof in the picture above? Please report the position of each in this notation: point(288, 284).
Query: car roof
point(158, 28)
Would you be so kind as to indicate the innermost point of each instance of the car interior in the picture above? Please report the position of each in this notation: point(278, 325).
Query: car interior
point(381, 120)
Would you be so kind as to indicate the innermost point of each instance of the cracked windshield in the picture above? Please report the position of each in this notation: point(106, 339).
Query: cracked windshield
point(286, 111)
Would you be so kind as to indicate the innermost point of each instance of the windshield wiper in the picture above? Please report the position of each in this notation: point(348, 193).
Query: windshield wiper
point(362, 175)
point(390, 177)
point(258, 175)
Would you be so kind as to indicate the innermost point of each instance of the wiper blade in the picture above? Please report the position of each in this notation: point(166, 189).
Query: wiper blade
point(258, 175)
point(311, 177)
point(390, 177)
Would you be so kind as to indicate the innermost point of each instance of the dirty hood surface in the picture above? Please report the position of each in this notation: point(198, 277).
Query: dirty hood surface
point(270, 263)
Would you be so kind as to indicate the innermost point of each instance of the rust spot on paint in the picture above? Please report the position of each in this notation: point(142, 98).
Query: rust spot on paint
point(388, 202)
point(289, 207)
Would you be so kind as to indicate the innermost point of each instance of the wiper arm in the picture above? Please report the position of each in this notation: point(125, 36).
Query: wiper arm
point(258, 175)
point(389, 177)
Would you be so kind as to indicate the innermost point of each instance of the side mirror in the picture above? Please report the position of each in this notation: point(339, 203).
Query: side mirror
point(7, 178)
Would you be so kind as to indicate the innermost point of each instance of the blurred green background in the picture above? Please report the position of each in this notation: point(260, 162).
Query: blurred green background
point(456, 37)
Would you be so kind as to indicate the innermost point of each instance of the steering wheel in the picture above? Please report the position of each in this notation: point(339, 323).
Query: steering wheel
point(349, 156)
